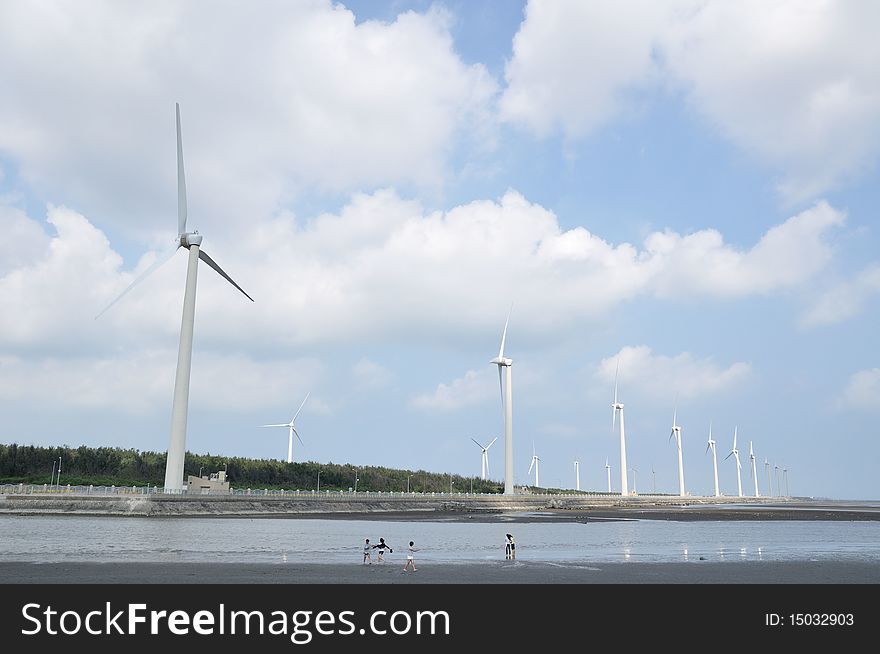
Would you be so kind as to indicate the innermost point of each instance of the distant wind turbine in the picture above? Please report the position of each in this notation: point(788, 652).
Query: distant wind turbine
point(753, 470)
point(507, 405)
point(485, 457)
point(778, 487)
point(608, 470)
point(676, 431)
point(577, 475)
point(711, 446)
point(769, 485)
point(191, 241)
point(634, 471)
point(735, 454)
point(654, 475)
point(291, 426)
point(785, 479)
point(615, 407)
point(536, 461)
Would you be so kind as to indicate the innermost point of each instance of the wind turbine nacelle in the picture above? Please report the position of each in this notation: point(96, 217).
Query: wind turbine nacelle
point(502, 361)
point(190, 238)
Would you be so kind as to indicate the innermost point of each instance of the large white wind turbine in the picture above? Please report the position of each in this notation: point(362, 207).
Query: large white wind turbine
point(507, 405)
point(769, 485)
point(577, 475)
point(485, 457)
point(615, 407)
point(536, 462)
point(753, 471)
point(608, 471)
point(291, 426)
point(191, 241)
point(676, 431)
point(711, 446)
point(735, 454)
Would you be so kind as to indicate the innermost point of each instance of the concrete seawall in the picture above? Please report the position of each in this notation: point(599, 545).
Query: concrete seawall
point(366, 503)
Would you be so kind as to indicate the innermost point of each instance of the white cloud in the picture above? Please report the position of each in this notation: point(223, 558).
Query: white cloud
point(291, 97)
point(665, 377)
point(383, 270)
point(793, 82)
point(844, 300)
point(863, 390)
point(472, 389)
point(369, 375)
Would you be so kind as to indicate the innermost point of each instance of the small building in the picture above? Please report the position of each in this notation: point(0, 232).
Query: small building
point(216, 482)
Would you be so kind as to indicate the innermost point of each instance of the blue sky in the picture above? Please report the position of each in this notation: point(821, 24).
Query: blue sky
point(686, 187)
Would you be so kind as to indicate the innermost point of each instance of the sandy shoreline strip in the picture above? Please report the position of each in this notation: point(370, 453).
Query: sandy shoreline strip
point(500, 572)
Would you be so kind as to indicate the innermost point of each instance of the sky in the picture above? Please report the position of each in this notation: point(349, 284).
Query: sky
point(687, 190)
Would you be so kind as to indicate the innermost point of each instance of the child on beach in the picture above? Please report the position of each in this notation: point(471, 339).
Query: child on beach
point(381, 547)
point(367, 555)
point(510, 548)
point(409, 557)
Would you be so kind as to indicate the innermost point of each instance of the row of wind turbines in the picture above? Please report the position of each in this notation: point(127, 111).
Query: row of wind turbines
point(192, 240)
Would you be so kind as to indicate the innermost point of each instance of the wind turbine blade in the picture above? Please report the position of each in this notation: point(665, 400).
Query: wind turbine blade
point(158, 263)
point(531, 465)
point(728, 456)
point(501, 387)
point(300, 407)
point(208, 260)
point(181, 179)
point(613, 418)
point(616, 371)
point(671, 434)
point(734, 438)
point(478, 445)
point(297, 436)
point(708, 445)
point(490, 444)
point(504, 333)
point(286, 424)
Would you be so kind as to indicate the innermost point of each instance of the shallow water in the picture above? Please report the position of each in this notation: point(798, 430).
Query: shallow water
point(255, 540)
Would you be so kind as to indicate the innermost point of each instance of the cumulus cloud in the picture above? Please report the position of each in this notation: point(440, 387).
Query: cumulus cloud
point(369, 375)
point(295, 96)
point(844, 300)
point(472, 389)
point(862, 390)
point(793, 83)
point(384, 270)
point(662, 377)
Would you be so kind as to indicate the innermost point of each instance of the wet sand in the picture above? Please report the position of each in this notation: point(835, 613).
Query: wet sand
point(500, 572)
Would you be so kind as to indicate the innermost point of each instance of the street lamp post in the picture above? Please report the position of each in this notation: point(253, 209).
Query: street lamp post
point(52, 478)
point(59, 472)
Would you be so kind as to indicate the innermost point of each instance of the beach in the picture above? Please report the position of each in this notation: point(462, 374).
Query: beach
point(500, 572)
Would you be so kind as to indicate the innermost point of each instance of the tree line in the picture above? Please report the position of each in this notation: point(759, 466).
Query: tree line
point(106, 466)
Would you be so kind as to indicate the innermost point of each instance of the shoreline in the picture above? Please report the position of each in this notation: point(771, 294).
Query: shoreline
point(428, 572)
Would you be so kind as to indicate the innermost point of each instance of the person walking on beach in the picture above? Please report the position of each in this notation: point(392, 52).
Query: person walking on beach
point(510, 547)
point(381, 547)
point(367, 554)
point(409, 557)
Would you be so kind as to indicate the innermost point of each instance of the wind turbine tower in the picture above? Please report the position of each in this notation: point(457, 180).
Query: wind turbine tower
point(506, 365)
point(577, 475)
point(291, 427)
point(711, 446)
point(615, 407)
point(735, 454)
point(536, 462)
point(608, 471)
point(676, 431)
point(192, 241)
point(769, 485)
point(753, 471)
point(485, 457)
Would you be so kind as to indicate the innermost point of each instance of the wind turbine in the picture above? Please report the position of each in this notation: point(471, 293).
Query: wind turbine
point(785, 479)
point(291, 426)
point(485, 457)
point(711, 446)
point(676, 431)
point(753, 471)
point(615, 407)
point(735, 454)
point(191, 241)
point(654, 475)
point(608, 470)
point(577, 475)
point(634, 471)
point(535, 463)
point(767, 470)
point(778, 487)
point(507, 405)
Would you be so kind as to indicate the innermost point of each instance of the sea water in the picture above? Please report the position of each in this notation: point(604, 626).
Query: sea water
point(43, 539)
